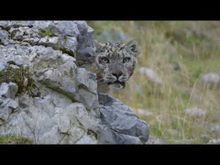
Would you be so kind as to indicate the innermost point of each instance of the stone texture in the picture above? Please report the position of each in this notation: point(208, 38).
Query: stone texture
point(52, 119)
point(113, 113)
point(67, 108)
point(8, 90)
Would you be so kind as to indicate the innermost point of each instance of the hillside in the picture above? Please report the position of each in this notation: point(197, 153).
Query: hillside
point(175, 87)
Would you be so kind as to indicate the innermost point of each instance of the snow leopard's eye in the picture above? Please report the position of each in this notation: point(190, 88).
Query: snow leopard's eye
point(103, 60)
point(126, 59)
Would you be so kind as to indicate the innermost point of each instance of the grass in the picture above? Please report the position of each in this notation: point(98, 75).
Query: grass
point(46, 32)
point(11, 139)
point(194, 47)
point(19, 75)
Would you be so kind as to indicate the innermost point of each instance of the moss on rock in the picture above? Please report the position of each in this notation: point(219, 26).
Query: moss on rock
point(46, 32)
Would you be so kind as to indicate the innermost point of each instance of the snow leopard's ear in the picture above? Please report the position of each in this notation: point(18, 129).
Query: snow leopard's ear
point(132, 47)
point(99, 46)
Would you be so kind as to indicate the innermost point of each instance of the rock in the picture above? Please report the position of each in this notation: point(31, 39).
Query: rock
point(7, 107)
point(151, 75)
point(57, 71)
point(62, 35)
point(49, 41)
point(69, 44)
point(154, 140)
point(67, 28)
point(65, 77)
point(144, 112)
point(86, 45)
point(4, 24)
point(67, 108)
point(113, 112)
point(215, 128)
point(51, 120)
point(85, 57)
point(3, 37)
point(214, 141)
point(211, 79)
point(8, 90)
point(195, 112)
point(2, 65)
point(11, 24)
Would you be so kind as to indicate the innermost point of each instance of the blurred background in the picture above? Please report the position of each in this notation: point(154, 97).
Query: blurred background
point(176, 85)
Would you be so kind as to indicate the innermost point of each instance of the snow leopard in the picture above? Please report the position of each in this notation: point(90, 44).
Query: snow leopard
point(115, 64)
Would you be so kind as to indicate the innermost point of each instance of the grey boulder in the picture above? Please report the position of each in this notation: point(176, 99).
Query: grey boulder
point(114, 113)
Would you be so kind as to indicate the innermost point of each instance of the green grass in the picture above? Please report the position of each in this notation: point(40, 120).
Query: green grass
point(46, 32)
point(9, 139)
point(194, 47)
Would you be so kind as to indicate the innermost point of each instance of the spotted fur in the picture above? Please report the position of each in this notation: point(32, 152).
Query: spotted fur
point(115, 62)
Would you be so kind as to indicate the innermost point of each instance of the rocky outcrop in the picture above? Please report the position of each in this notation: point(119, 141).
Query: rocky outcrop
point(47, 97)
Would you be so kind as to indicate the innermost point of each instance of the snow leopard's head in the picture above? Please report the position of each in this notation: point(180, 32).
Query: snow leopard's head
point(116, 62)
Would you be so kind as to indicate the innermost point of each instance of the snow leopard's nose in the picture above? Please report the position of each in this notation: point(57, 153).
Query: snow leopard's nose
point(117, 74)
